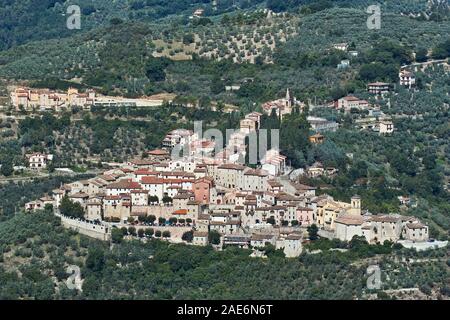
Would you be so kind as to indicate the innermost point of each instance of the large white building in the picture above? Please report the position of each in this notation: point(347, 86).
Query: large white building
point(37, 161)
point(274, 162)
point(179, 137)
point(322, 124)
point(386, 127)
point(380, 228)
point(407, 78)
point(348, 103)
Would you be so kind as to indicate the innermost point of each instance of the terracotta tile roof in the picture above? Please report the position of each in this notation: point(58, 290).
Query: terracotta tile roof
point(151, 180)
point(158, 152)
point(256, 172)
point(348, 219)
point(177, 174)
point(303, 187)
point(385, 218)
point(124, 184)
point(261, 237)
point(139, 191)
point(79, 195)
point(161, 164)
point(274, 183)
point(112, 198)
point(217, 223)
point(415, 225)
point(286, 197)
point(107, 177)
point(350, 98)
point(145, 172)
point(232, 166)
point(142, 162)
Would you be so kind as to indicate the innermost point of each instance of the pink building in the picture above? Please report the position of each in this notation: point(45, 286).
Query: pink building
point(305, 216)
point(202, 189)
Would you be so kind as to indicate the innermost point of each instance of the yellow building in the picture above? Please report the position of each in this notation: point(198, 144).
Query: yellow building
point(317, 138)
point(328, 210)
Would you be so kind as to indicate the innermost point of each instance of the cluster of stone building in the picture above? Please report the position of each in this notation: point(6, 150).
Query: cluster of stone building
point(376, 120)
point(345, 221)
point(283, 106)
point(210, 149)
point(45, 99)
point(29, 99)
point(248, 207)
point(232, 199)
point(208, 189)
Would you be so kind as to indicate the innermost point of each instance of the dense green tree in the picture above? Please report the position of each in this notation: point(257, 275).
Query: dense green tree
point(313, 232)
point(422, 55)
point(155, 69)
point(214, 237)
point(166, 234)
point(132, 231)
point(95, 260)
point(149, 232)
point(70, 208)
point(116, 235)
point(6, 168)
point(188, 236)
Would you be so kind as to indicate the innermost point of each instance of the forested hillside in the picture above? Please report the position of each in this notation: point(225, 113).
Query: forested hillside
point(119, 58)
point(27, 20)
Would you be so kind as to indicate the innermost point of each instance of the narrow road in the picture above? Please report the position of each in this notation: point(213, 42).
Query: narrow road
point(423, 63)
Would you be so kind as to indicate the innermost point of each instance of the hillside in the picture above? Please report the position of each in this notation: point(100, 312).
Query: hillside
point(36, 251)
point(28, 20)
point(291, 51)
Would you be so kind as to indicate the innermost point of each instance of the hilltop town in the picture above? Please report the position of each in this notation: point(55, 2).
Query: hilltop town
point(209, 196)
